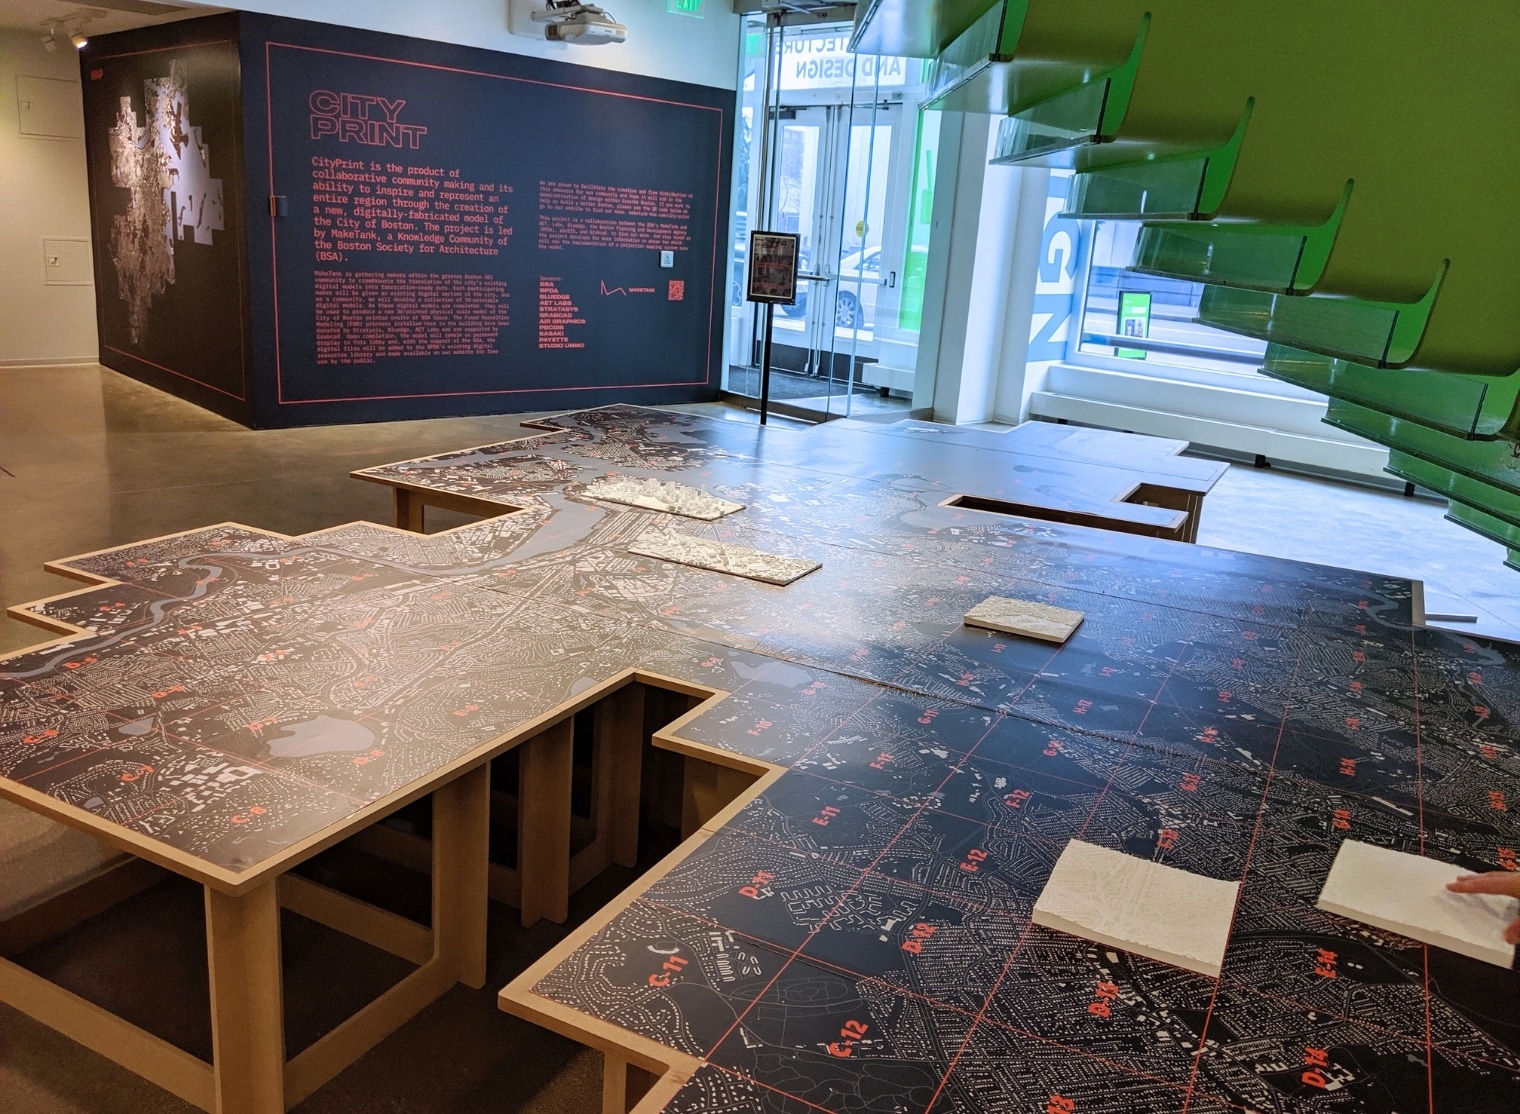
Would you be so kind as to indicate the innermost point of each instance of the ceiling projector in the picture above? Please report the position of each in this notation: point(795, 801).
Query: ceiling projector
point(569, 21)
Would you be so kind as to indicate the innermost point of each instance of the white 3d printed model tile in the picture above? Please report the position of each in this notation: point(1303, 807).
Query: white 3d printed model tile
point(1407, 894)
point(662, 495)
point(736, 560)
point(1143, 907)
point(1034, 620)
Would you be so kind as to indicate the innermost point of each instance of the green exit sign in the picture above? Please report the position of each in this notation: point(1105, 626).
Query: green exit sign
point(684, 7)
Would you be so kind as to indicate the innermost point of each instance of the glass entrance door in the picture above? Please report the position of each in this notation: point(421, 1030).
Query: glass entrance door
point(833, 178)
point(836, 165)
point(806, 148)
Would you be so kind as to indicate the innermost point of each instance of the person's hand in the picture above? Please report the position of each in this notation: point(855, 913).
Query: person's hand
point(1506, 883)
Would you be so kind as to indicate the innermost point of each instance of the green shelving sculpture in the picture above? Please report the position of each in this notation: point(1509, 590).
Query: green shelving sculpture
point(1323, 169)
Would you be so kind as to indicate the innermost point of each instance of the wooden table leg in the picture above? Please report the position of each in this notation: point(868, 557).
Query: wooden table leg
point(247, 1002)
point(1194, 511)
point(461, 873)
point(543, 824)
point(408, 510)
point(623, 1084)
point(620, 754)
point(707, 790)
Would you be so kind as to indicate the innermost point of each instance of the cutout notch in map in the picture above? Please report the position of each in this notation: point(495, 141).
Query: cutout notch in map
point(1024, 617)
point(1407, 894)
point(1151, 909)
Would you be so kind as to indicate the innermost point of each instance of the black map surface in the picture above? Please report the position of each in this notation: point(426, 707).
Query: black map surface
point(858, 937)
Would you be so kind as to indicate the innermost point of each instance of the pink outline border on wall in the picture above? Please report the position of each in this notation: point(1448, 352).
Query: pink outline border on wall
point(280, 398)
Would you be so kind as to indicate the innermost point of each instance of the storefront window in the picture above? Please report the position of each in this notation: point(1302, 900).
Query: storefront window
point(920, 220)
point(1144, 319)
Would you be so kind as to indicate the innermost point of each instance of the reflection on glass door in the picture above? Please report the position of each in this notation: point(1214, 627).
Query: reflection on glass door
point(799, 204)
point(844, 167)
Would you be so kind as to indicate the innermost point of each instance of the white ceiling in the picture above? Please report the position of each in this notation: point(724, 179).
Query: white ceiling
point(93, 19)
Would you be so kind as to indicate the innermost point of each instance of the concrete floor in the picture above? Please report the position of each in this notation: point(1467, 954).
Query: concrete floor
point(1284, 515)
point(93, 459)
point(90, 459)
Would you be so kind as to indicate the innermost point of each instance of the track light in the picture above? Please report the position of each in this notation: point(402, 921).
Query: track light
point(49, 41)
point(79, 39)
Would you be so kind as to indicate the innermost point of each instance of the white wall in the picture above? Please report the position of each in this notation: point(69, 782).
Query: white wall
point(681, 48)
point(44, 190)
point(43, 193)
point(979, 287)
point(955, 223)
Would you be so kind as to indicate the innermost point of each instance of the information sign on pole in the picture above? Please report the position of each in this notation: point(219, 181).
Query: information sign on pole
point(772, 282)
point(773, 267)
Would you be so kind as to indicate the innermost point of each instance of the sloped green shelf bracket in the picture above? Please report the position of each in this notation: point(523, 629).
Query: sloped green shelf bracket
point(1178, 187)
point(1491, 462)
point(964, 73)
point(1494, 529)
point(1490, 526)
point(1086, 114)
point(1385, 334)
point(1495, 503)
point(1285, 260)
point(912, 28)
point(1467, 406)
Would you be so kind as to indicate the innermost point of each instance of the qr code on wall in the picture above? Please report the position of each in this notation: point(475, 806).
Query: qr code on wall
point(677, 290)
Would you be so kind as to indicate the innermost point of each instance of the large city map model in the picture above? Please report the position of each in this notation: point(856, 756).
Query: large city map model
point(166, 166)
point(858, 935)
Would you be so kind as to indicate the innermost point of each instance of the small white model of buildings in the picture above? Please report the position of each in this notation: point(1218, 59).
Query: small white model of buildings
point(662, 495)
point(736, 560)
point(1025, 617)
point(1407, 894)
point(1148, 908)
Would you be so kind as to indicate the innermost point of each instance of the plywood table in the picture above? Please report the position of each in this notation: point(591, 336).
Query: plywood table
point(1158, 474)
point(874, 792)
point(205, 712)
point(1080, 479)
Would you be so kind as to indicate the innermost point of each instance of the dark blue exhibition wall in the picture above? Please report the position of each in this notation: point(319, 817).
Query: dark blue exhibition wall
point(163, 143)
point(412, 229)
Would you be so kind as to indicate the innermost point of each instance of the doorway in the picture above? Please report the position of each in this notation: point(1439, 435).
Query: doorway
point(834, 160)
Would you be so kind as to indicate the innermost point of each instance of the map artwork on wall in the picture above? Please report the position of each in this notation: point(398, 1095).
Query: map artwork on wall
point(163, 142)
point(166, 165)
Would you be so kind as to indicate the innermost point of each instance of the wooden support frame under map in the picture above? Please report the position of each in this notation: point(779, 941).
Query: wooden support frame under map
point(883, 794)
